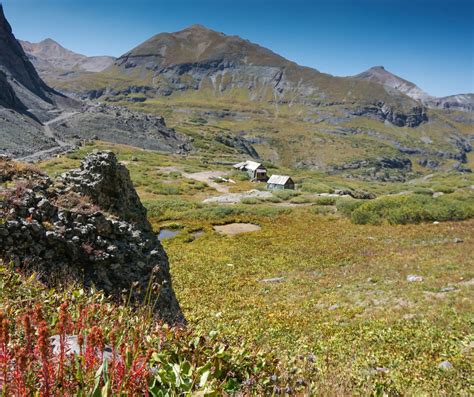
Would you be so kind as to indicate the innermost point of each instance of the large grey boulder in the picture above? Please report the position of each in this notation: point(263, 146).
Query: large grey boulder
point(107, 183)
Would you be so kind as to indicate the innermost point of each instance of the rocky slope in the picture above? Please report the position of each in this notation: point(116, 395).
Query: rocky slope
point(380, 75)
point(25, 100)
point(20, 78)
point(36, 121)
point(89, 227)
point(53, 61)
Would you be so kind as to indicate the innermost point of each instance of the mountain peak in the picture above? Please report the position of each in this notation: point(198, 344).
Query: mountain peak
point(48, 41)
point(197, 26)
point(378, 74)
point(199, 44)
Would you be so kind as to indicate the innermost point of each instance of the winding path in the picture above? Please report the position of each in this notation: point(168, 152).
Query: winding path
point(61, 145)
point(47, 129)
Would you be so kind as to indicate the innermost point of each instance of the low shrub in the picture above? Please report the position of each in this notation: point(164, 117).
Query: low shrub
point(239, 176)
point(414, 209)
point(273, 199)
point(443, 189)
point(423, 190)
point(300, 200)
point(250, 200)
point(346, 205)
point(174, 174)
point(168, 209)
point(322, 210)
point(285, 194)
point(325, 201)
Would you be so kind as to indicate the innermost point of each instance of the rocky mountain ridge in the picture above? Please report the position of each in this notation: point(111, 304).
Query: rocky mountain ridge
point(380, 75)
point(89, 227)
point(198, 59)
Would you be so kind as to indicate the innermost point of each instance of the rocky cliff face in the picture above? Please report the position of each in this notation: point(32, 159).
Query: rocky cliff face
point(25, 100)
point(87, 227)
point(15, 64)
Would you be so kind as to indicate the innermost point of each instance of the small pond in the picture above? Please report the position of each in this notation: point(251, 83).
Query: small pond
point(167, 233)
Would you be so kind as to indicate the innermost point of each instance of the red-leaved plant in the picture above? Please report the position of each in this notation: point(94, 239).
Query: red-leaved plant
point(31, 365)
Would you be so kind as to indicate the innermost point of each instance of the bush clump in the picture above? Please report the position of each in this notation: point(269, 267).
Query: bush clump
point(347, 205)
point(300, 200)
point(414, 209)
point(325, 201)
point(423, 190)
point(250, 200)
point(285, 194)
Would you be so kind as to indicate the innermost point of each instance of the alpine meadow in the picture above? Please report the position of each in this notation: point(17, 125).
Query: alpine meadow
point(190, 213)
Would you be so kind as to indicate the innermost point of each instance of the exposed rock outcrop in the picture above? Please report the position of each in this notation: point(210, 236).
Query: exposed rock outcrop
point(386, 169)
point(121, 125)
point(380, 163)
point(401, 118)
point(239, 143)
point(88, 227)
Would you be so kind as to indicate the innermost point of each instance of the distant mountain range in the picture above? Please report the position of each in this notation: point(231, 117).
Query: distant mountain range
point(201, 60)
point(51, 59)
point(198, 58)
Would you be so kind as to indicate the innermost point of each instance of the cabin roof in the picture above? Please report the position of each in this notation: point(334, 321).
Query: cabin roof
point(279, 179)
point(248, 165)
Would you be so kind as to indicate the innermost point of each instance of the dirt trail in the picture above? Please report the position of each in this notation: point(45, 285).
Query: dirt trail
point(206, 177)
point(47, 129)
point(203, 176)
point(62, 146)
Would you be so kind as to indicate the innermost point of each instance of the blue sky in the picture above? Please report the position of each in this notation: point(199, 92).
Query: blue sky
point(429, 42)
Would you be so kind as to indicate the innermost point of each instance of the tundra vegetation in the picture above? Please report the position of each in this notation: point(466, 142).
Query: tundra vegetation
point(321, 300)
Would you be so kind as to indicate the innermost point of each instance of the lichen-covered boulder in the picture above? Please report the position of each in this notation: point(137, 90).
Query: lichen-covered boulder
point(90, 228)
